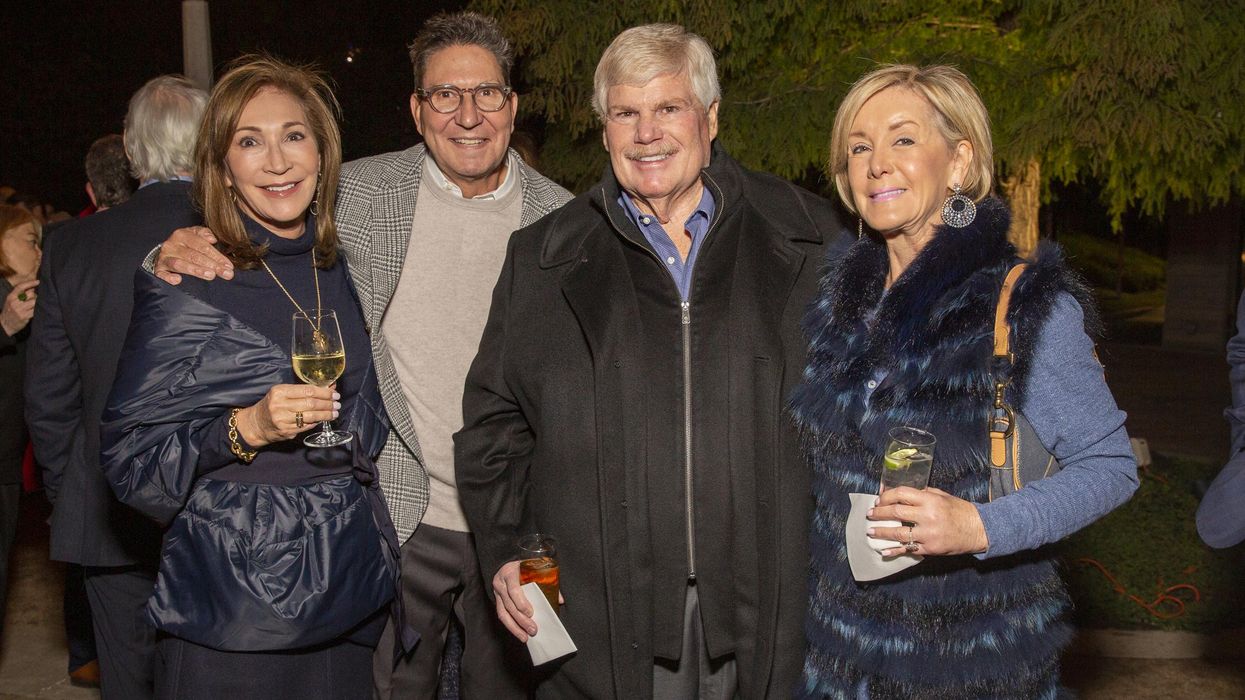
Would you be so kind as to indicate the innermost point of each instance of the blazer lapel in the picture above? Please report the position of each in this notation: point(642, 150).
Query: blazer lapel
point(393, 210)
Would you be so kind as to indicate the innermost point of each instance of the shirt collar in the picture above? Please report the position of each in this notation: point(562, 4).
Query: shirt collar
point(175, 178)
point(433, 172)
point(704, 210)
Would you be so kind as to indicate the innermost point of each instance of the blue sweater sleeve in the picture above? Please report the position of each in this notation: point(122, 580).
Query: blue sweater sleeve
point(1220, 521)
point(1074, 415)
point(1236, 378)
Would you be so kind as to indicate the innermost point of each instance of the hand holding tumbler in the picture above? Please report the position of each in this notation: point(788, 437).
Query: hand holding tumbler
point(539, 565)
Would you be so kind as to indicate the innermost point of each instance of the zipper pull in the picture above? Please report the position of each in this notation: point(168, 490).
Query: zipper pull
point(687, 313)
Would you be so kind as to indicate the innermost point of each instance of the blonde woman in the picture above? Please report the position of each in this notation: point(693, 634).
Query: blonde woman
point(901, 336)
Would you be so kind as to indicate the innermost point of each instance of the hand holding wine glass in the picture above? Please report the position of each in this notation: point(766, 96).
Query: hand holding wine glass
point(319, 359)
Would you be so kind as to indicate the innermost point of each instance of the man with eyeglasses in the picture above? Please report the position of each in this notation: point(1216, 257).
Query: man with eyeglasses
point(425, 233)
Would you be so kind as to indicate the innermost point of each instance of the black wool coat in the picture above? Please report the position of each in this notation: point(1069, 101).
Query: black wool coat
point(574, 422)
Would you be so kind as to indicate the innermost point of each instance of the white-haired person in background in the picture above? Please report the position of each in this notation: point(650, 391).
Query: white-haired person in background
point(85, 297)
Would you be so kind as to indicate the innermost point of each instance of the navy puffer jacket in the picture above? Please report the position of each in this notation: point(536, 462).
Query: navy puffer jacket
point(244, 566)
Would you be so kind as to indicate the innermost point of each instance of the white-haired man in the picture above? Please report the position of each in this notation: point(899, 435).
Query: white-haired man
point(628, 399)
point(85, 298)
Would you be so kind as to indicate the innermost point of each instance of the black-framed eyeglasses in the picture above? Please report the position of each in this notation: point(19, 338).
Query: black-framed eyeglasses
point(489, 97)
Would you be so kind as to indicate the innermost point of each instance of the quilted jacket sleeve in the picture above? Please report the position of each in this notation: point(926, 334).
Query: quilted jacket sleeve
point(183, 366)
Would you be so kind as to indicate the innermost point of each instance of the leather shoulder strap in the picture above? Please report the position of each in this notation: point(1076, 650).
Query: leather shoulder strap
point(1002, 332)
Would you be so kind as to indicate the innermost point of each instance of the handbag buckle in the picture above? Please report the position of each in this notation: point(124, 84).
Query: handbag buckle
point(1002, 420)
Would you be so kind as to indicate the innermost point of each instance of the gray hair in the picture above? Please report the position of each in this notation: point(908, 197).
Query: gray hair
point(642, 53)
point(107, 169)
point(460, 29)
point(161, 126)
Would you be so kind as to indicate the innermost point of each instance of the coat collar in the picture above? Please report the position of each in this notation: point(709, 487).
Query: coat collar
point(404, 169)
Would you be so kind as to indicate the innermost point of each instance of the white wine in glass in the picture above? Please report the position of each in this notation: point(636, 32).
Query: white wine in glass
point(319, 359)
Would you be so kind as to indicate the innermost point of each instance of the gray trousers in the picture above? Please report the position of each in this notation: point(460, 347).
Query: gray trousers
point(695, 675)
point(441, 580)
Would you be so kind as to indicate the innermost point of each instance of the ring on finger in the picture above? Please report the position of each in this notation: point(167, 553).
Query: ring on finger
point(298, 419)
point(911, 545)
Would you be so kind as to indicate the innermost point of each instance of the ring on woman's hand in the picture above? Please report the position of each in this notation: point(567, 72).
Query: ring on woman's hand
point(298, 419)
point(911, 546)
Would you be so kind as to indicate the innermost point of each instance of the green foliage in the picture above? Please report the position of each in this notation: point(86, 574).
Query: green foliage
point(1099, 261)
point(1145, 96)
point(1151, 544)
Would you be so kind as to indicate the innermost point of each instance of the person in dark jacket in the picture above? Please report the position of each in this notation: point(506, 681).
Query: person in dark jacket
point(79, 327)
point(19, 263)
point(279, 558)
point(901, 335)
point(627, 399)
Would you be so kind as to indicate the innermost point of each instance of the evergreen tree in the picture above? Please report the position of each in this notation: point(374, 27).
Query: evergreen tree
point(1144, 97)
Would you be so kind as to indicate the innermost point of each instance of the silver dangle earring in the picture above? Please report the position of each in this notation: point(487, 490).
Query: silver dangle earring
point(958, 211)
point(860, 228)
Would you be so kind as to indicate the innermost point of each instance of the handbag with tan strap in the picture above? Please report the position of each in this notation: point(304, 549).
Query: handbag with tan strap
point(1017, 457)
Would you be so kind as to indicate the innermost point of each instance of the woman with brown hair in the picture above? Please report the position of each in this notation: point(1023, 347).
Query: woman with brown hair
point(279, 558)
point(19, 263)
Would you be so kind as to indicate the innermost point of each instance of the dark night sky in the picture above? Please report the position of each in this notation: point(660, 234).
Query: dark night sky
point(70, 67)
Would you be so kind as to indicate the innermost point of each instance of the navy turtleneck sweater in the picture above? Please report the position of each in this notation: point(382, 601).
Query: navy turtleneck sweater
point(254, 298)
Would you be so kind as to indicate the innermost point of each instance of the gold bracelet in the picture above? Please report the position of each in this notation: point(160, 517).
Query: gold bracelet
point(234, 445)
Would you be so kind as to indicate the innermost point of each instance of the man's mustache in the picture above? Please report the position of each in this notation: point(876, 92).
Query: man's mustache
point(638, 153)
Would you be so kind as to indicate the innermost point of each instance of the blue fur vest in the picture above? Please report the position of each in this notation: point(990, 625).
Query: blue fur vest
point(950, 627)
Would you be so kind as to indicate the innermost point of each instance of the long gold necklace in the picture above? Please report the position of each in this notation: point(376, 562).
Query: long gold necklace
point(317, 337)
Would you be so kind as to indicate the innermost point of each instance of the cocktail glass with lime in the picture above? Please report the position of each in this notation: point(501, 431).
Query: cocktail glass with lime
point(908, 458)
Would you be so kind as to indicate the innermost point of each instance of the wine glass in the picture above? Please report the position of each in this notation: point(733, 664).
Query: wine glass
point(319, 359)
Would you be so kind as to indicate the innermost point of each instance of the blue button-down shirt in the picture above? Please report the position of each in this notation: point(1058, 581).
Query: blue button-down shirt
point(697, 225)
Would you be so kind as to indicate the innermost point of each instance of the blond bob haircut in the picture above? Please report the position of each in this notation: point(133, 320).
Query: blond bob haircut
point(960, 113)
point(247, 76)
point(10, 218)
point(160, 127)
point(642, 53)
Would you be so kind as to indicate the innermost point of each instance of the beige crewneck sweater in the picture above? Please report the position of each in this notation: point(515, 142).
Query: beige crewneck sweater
point(434, 322)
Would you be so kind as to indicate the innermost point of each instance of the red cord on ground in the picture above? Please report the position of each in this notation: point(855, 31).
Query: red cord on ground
point(1166, 599)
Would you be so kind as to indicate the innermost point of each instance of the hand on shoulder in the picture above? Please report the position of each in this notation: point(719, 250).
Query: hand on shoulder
point(191, 251)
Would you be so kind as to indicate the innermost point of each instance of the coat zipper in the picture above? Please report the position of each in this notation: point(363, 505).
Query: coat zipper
point(686, 325)
point(687, 435)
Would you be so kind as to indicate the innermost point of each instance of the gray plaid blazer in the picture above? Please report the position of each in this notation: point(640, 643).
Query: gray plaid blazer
point(375, 207)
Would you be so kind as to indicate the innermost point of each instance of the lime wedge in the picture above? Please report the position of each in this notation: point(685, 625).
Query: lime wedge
point(899, 458)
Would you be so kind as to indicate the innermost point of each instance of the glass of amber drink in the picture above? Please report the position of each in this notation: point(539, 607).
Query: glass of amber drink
point(539, 564)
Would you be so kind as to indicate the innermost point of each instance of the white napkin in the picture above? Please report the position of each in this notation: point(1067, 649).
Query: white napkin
point(551, 640)
point(864, 553)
